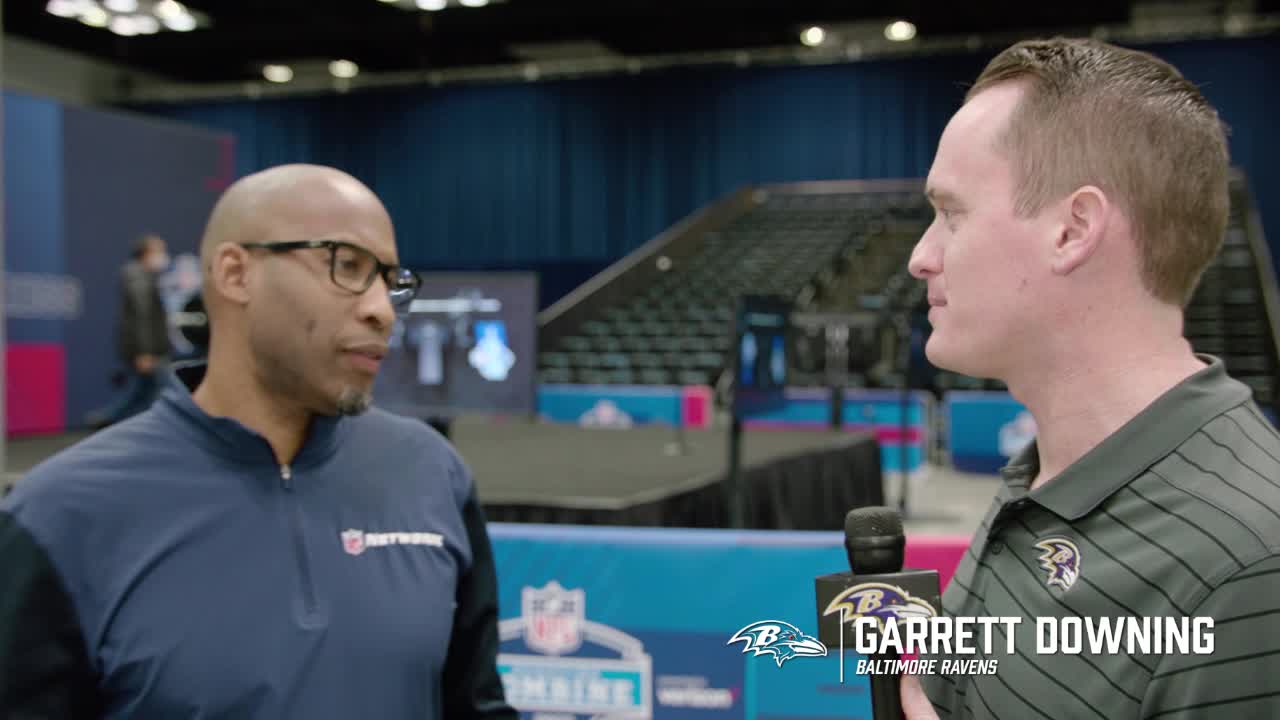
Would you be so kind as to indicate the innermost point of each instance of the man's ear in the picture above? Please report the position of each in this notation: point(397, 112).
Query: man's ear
point(1084, 216)
point(229, 272)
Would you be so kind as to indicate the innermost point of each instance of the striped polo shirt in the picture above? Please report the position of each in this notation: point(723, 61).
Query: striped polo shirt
point(1175, 515)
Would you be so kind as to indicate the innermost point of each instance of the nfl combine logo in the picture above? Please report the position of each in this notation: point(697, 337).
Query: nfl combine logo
point(353, 541)
point(553, 618)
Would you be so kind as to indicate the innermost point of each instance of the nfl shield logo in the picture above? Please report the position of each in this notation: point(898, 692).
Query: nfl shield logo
point(353, 541)
point(553, 618)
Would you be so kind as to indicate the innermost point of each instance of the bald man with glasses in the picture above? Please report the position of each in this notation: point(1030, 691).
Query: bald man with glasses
point(260, 543)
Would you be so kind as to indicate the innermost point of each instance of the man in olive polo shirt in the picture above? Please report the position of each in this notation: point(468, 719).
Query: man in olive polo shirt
point(1080, 192)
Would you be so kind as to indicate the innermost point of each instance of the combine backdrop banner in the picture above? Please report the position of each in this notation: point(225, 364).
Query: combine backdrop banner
point(613, 622)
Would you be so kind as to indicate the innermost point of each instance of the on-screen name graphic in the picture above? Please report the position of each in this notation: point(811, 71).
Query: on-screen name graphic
point(945, 642)
point(929, 666)
point(1053, 635)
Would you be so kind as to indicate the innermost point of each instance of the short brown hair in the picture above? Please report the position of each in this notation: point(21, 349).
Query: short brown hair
point(1132, 125)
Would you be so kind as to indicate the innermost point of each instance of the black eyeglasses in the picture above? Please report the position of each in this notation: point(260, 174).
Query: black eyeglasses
point(354, 268)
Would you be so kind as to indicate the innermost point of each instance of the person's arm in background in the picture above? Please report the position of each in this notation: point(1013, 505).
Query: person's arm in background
point(472, 687)
point(1241, 678)
point(45, 671)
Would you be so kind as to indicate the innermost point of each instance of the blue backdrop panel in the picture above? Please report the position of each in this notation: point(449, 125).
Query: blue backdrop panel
point(33, 217)
point(610, 405)
point(124, 175)
point(657, 608)
point(984, 429)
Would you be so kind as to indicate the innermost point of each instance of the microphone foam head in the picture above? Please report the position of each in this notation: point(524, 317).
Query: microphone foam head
point(874, 541)
point(872, 522)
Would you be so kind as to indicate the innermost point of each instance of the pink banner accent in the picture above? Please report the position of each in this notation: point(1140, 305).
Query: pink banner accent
point(695, 406)
point(939, 552)
point(35, 388)
point(891, 434)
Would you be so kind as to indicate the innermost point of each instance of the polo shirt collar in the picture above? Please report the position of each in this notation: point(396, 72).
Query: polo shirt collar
point(1127, 453)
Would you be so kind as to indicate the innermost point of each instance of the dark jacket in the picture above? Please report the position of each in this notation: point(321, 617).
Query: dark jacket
point(144, 325)
point(167, 567)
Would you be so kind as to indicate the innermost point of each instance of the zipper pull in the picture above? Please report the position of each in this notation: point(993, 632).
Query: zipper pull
point(286, 476)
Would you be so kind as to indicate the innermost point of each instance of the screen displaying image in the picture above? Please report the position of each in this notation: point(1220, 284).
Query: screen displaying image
point(760, 365)
point(467, 343)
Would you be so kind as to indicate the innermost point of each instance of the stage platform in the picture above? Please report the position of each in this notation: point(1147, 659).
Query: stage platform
point(651, 476)
point(531, 472)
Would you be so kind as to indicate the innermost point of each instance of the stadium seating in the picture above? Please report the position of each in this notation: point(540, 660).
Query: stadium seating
point(840, 250)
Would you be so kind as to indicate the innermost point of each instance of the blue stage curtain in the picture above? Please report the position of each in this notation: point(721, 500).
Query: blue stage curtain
point(587, 170)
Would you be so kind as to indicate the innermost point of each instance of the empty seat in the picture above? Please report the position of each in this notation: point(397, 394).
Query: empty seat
point(646, 360)
point(1247, 364)
point(575, 343)
point(1240, 296)
point(628, 328)
point(693, 377)
point(556, 375)
point(1246, 328)
point(621, 376)
point(708, 360)
point(592, 377)
point(656, 328)
point(652, 376)
point(553, 359)
point(606, 343)
point(695, 344)
point(595, 327)
point(615, 361)
point(637, 344)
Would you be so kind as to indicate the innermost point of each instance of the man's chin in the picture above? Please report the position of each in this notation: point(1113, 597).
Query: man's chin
point(943, 357)
point(353, 402)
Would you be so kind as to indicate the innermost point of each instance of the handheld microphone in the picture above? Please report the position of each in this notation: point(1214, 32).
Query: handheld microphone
point(877, 587)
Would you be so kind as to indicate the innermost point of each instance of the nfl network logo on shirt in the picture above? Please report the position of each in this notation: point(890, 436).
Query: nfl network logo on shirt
point(611, 678)
point(356, 542)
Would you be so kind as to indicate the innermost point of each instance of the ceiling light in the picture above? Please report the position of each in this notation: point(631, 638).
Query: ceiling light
point(168, 8)
point(123, 25)
point(813, 36)
point(181, 23)
point(64, 8)
point(343, 69)
point(431, 4)
point(899, 31)
point(94, 16)
point(277, 73)
point(474, 3)
point(146, 25)
point(121, 6)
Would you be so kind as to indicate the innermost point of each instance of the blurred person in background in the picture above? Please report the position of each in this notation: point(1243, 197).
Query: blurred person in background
point(260, 543)
point(142, 331)
point(1081, 191)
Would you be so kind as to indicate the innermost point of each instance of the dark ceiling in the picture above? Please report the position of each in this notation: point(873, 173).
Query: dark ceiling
point(245, 34)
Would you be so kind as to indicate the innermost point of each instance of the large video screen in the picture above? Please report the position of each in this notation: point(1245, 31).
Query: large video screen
point(467, 344)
